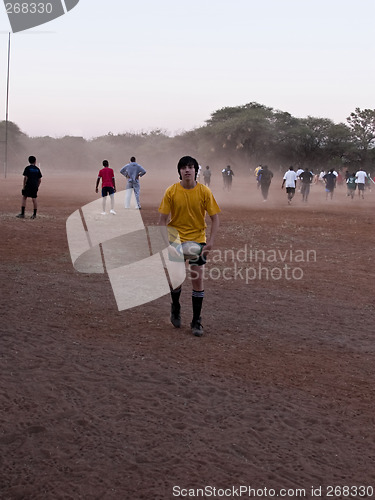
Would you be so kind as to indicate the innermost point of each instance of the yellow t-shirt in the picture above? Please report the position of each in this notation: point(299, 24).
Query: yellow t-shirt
point(188, 209)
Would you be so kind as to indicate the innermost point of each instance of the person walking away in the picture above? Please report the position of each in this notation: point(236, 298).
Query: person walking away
point(306, 178)
point(107, 176)
point(290, 181)
point(227, 177)
point(265, 177)
point(361, 177)
point(330, 180)
point(351, 184)
point(299, 184)
point(32, 177)
point(133, 171)
point(256, 173)
point(207, 176)
point(187, 202)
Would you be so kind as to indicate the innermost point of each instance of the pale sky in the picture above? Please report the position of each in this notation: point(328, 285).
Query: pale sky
point(119, 66)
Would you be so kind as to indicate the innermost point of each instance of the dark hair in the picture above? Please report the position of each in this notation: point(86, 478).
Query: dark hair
point(32, 159)
point(132, 159)
point(105, 163)
point(188, 161)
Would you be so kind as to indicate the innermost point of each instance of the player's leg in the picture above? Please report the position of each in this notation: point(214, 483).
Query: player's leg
point(128, 193)
point(176, 307)
point(197, 275)
point(35, 206)
point(23, 207)
point(136, 193)
point(112, 198)
point(104, 201)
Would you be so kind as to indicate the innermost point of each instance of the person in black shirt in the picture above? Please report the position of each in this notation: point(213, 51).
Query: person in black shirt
point(330, 180)
point(306, 179)
point(31, 181)
point(265, 177)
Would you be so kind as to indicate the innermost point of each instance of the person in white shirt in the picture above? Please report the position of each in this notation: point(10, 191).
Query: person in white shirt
point(132, 171)
point(299, 172)
point(361, 178)
point(290, 179)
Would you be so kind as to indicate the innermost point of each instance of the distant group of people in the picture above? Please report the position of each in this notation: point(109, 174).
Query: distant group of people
point(227, 175)
point(32, 177)
point(305, 177)
point(132, 171)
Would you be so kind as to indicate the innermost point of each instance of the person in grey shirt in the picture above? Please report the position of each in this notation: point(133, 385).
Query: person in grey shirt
point(132, 171)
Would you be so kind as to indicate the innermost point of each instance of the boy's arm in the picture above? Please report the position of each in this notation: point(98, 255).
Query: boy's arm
point(163, 219)
point(124, 171)
point(24, 181)
point(114, 183)
point(214, 228)
point(97, 184)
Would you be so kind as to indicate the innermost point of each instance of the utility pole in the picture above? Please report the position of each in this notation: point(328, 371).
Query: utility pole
point(6, 115)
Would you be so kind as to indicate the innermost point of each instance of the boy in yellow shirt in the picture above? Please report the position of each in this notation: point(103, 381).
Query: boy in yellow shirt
point(187, 202)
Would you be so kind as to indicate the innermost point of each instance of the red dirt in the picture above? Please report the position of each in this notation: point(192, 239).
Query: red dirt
point(98, 403)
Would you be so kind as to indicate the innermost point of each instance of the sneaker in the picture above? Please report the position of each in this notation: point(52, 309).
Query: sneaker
point(197, 328)
point(175, 316)
point(138, 208)
point(20, 216)
point(103, 213)
point(33, 216)
point(112, 212)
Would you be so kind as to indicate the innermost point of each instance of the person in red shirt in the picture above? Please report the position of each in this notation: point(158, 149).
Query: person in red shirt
point(107, 176)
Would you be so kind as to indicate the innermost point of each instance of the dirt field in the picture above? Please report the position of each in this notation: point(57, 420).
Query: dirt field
point(97, 403)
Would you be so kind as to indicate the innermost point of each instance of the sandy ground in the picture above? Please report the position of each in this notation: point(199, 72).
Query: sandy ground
point(97, 403)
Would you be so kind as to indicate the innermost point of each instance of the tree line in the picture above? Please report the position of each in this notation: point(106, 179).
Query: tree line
point(244, 136)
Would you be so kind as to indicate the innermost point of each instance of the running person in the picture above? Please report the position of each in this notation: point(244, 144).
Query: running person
point(330, 180)
point(290, 181)
point(187, 202)
point(306, 178)
point(361, 178)
point(351, 184)
point(265, 175)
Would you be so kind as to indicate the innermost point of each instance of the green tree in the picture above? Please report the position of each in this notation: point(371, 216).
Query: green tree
point(16, 146)
point(362, 125)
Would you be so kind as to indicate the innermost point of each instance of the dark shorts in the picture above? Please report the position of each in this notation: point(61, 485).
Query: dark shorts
point(361, 186)
point(290, 190)
point(200, 260)
point(107, 190)
point(30, 192)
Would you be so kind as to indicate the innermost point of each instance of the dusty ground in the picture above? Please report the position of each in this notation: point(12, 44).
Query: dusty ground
point(278, 394)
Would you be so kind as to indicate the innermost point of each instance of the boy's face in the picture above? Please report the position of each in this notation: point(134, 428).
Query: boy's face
point(187, 172)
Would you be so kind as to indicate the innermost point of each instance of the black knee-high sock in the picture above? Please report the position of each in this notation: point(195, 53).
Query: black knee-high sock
point(23, 210)
point(197, 299)
point(175, 295)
